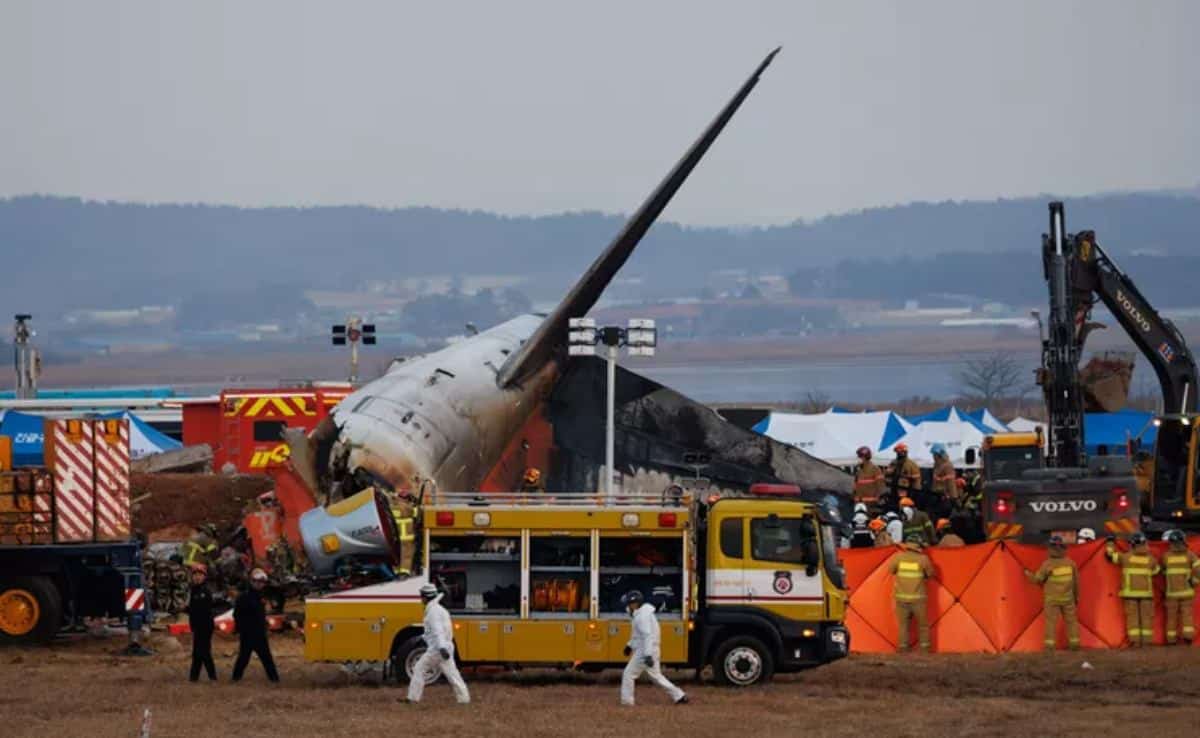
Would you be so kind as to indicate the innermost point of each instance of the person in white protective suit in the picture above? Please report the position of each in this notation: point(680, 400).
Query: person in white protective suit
point(643, 651)
point(439, 650)
point(895, 527)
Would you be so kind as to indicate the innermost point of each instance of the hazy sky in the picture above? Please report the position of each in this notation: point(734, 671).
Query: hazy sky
point(535, 107)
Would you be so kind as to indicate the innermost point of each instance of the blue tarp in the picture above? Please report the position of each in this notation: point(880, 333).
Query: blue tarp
point(1115, 429)
point(26, 433)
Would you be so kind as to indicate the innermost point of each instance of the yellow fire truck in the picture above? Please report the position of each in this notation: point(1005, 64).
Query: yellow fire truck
point(749, 585)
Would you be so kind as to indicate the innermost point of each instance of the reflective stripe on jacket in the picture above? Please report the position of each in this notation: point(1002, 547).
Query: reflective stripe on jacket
point(1182, 570)
point(1137, 571)
point(910, 568)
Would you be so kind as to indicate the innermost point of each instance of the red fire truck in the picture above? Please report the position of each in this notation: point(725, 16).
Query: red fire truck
point(244, 427)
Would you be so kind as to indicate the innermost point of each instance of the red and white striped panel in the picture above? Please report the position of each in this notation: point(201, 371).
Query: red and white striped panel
point(112, 481)
point(71, 463)
point(43, 520)
point(135, 600)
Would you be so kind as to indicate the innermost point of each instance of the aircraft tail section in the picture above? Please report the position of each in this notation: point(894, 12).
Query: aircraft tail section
point(551, 334)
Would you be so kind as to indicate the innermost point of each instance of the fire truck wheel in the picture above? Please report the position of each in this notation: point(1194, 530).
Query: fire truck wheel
point(30, 610)
point(404, 659)
point(742, 661)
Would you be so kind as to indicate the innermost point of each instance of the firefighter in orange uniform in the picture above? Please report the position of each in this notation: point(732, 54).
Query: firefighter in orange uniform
point(911, 568)
point(1138, 567)
point(944, 475)
point(1059, 578)
point(868, 478)
point(879, 528)
point(1182, 569)
point(903, 477)
point(947, 538)
point(531, 483)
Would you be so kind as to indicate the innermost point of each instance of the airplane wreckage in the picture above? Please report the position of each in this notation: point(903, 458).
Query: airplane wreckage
point(475, 415)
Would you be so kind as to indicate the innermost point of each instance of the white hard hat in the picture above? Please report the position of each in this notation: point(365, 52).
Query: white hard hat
point(258, 575)
point(1086, 534)
point(860, 507)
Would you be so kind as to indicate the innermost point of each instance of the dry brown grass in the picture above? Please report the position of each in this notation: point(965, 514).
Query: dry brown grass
point(81, 689)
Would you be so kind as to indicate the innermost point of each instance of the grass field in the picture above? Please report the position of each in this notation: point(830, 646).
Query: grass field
point(82, 689)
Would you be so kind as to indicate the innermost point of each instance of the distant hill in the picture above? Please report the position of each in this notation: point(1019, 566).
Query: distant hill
point(63, 253)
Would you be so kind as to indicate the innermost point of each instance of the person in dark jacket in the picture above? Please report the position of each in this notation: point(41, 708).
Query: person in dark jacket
point(250, 617)
point(200, 620)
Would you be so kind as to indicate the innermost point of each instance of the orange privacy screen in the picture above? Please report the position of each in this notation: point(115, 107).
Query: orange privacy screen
point(981, 602)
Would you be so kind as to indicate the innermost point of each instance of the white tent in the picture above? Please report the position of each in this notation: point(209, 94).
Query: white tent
point(1025, 425)
point(834, 436)
point(956, 436)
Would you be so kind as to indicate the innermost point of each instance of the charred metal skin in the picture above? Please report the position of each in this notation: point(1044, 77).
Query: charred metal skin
point(447, 417)
point(656, 427)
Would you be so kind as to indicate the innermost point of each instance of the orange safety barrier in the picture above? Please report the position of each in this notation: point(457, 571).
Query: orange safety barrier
point(981, 602)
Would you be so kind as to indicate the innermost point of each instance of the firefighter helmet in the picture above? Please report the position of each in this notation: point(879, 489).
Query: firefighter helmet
point(1056, 541)
point(1137, 539)
point(1176, 536)
point(901, 448)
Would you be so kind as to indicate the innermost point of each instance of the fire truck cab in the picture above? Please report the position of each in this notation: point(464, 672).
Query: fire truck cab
point(244, 427)
point(749, 585)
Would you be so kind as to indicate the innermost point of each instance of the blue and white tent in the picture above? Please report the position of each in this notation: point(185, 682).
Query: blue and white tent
point(985, 417)
point(27, 433)
point(835, 435)
point(951, 414)
point(144, 440)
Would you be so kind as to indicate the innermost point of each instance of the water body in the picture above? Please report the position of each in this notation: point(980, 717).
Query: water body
point(865, 380)
point(875, 379)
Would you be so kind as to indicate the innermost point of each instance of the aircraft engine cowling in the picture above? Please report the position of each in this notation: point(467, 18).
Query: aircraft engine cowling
point(360, 526)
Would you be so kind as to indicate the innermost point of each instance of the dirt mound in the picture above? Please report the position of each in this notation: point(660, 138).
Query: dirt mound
point(184, 500)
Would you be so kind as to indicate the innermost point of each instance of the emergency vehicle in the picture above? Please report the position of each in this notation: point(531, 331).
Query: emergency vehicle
point(244, 427)
point(749, 585)
point(67, 547)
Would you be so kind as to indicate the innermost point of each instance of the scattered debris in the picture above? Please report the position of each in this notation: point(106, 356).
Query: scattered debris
point(187, 459)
